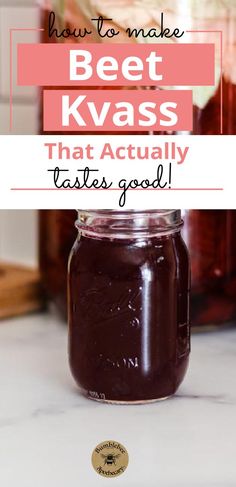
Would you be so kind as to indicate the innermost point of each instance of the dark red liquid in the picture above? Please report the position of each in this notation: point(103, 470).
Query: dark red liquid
point(207, 120)
point(128, 317)
point(211, 239)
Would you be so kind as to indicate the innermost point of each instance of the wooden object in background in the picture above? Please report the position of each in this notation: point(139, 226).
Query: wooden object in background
point(20, 290)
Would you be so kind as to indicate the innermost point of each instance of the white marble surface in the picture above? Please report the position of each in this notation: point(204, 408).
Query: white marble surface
point(47, 430)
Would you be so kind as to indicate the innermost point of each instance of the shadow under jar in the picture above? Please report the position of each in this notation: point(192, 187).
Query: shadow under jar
point(129, 337)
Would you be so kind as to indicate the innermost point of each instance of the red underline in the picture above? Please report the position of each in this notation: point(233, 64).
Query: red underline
point(204, 31)
point(117, 189)
point(27, 30)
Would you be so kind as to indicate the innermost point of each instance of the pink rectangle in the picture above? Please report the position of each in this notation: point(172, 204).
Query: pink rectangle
point(54, 99)
point(181, 65)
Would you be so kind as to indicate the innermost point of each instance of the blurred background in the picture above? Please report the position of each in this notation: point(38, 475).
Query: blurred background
point(17, 14)
point(18, 237)
point(20, 284)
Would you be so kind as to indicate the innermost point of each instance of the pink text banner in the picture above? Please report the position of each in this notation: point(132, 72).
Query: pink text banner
point(117, 110)
point(117, 64)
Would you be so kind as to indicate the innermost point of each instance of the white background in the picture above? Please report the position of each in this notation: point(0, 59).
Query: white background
point(209, 164)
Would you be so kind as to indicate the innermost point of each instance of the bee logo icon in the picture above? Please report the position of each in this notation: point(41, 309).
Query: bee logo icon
point(110, 459)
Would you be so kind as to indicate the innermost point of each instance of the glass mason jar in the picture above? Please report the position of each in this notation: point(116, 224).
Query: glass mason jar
point(57, 234)
point(129, 336)
point(211, 239)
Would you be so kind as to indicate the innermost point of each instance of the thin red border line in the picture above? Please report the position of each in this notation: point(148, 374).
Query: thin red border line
point(117, 189)
point(221, 70)
point(11, 67)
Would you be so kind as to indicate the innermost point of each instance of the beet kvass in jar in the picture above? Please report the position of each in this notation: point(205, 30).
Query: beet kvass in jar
point(129, 336)
point(211, 239)
point(216, 19)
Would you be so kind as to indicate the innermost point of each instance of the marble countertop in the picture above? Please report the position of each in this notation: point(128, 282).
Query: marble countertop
point(48, 431)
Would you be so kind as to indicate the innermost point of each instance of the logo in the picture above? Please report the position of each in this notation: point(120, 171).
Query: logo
point(110, 459)
point(107, 307)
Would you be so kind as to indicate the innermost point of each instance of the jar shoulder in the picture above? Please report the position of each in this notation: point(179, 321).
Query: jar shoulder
point(110, 255)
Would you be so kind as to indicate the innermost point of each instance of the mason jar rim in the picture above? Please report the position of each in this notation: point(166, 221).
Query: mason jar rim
point(128, 223)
